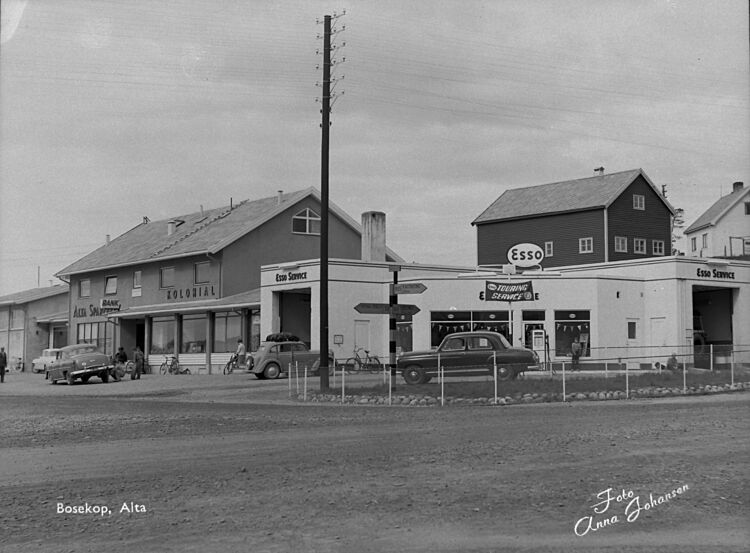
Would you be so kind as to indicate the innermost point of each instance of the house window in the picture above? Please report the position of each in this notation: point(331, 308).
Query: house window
point(639, 245)
point(621, 244)
point(693, 243)
point(84, 288)
point(549, 250)
point(570, 325)
point(657, 247)
point(639, 202)
point(202, 272)
point(166, 277)
point(704, 237)
point(306, 222)
point(136, 279)
point(747, 208)
point(17, 318)
point(110, 286)
point(631, 330)
point(585, 245)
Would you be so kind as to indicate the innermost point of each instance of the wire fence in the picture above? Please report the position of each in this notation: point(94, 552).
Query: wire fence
point(620, 373)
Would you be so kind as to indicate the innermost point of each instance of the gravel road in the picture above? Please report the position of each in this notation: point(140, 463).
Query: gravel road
point(227, 464)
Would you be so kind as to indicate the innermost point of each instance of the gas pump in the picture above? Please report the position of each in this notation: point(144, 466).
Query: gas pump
point(538, 344)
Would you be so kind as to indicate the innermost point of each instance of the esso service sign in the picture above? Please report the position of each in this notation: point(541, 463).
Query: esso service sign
point(525, 255)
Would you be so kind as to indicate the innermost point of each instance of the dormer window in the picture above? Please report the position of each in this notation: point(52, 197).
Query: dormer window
point(306, 222)
point(639, 202)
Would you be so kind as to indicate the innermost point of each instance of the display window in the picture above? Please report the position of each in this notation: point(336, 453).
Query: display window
point(570, 325)
point(227, 330)
point(193, 334)
point(162, 335)
point(443, 323)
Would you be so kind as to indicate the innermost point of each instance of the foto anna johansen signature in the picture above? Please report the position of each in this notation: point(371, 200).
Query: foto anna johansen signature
point(602, 517)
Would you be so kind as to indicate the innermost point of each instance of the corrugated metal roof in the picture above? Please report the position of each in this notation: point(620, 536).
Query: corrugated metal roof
point(712, 215)
point(195, 233)
point(558, 197)
point(33, 294)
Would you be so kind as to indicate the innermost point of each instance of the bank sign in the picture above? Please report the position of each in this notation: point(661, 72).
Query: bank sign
point(507, 291)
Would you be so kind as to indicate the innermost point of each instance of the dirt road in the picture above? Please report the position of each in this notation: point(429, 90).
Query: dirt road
point(246, 474)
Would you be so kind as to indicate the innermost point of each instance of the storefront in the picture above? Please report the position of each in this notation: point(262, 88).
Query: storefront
point(634, 312)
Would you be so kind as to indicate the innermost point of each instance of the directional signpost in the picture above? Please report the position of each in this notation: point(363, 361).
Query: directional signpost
point(386, 309)
point(409, 288)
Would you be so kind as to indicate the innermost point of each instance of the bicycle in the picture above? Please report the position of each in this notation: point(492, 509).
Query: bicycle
point(172, 366)
point(370, 363)
point(233, 364)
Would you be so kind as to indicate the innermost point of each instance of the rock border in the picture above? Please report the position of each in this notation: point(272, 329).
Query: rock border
point(423, 400)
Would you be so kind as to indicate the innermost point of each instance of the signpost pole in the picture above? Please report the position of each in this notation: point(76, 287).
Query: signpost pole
point(392, 301)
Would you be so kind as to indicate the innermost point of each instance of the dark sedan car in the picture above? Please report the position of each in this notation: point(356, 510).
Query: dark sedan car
point(79, 362)
point(468, 354)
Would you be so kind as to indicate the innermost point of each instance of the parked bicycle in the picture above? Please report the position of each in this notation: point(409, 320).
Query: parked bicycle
point(369, 362)
point(172, 366)
point(234, 365)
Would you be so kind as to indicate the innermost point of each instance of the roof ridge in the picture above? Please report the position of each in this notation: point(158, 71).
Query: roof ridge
point(198, 228)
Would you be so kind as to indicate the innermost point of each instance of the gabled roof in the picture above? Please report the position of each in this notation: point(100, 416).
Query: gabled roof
point(560, 197)
point(34, 294)
point(720, 208)
point(206, 232)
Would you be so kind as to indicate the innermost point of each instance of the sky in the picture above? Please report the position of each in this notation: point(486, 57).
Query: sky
point(111, 111)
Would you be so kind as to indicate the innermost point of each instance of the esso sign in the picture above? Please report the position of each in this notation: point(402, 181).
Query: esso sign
point(525, 255)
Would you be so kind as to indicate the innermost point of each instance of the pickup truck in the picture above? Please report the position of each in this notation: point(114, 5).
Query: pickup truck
point(468, 354)
point(274, 358)
point(79, 362)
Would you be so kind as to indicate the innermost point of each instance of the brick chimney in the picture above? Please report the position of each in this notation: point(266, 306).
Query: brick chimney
point(737, 186)
point(373, 236)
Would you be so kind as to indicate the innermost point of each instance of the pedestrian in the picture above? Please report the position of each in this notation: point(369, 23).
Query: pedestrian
point(672, 363)
point(3, 364)
point(138, 368)
point(120, 359)
point(240, 353)
point(575, 354)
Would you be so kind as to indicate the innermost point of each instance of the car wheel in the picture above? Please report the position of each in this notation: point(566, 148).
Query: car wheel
point(272, 371)
point(85, 379)
point(104, 375)
point(413, 375)
point(505, 373)
point(70, 378)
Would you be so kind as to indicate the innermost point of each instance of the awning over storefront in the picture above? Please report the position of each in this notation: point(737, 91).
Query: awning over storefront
point(53, 318)
point(244, 300)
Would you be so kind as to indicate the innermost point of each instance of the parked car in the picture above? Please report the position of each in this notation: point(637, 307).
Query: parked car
point(80, 361)
point(468, 354)
point(39, 365)
point(274, 358)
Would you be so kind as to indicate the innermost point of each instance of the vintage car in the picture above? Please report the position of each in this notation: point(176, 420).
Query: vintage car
point(39, 365)
point(468, 354)
point(274, 358)
point(79, 362)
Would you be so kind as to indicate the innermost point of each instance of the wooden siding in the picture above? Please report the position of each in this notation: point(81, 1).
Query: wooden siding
point(652, 223)
point(563, 230)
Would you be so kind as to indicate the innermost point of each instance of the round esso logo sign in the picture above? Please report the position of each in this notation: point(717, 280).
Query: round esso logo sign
point(525, 255)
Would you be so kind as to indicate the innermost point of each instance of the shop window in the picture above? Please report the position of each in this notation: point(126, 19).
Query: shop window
point(193, 334)
point(227, 330)
point(97, 334)
point(657, 247)
point(570, 325)
point(136, 279)
point(747, 208)
point(202, 272)
point(110, 285)
point(162, 335)
point(166, 277)
point(84, 288)
point(693, 243)
point(443, 323)
point(639, 245)
point(306, 222)
point(621, 244)
point(549, 249)
point(586, 245)
point(639, 202)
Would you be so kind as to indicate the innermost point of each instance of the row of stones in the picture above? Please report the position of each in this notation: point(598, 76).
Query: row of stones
point(427, 400)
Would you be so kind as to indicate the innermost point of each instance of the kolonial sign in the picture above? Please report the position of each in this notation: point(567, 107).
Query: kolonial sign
point(507, 291)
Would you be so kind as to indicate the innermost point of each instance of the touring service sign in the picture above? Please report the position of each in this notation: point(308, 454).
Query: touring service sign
point(507, 291)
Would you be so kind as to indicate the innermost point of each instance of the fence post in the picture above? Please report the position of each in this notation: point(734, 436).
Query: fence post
point(627, 382)
point(711, 353)
point(343, 382)
point(684, 378)
point(289, 380)
point(731, 366)
point(390, 387)
point(304, 397)
point(296, 375)
point(494, 372)
point(441, 372)
point(563, 381)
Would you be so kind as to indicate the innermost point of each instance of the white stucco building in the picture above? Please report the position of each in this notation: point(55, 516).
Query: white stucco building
point(723, 230)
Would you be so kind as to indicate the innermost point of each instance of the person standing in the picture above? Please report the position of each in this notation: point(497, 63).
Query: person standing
point(138, 368)
point(3, 364)
point(575, 353)
point(240, 353)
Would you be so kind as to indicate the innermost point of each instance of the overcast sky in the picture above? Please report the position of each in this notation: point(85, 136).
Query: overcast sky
point(111, 111)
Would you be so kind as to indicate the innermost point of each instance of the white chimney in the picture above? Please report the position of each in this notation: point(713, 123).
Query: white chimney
point(106, 240)
point(171, 227)
point(373, 236)
point(278, 196)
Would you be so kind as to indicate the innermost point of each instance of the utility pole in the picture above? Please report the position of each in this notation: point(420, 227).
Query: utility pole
point(325, 126)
